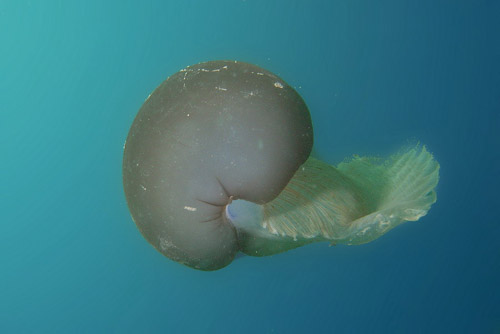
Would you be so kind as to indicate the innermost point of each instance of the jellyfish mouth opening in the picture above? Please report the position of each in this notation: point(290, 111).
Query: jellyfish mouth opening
point(229, 214)
point(243, 214)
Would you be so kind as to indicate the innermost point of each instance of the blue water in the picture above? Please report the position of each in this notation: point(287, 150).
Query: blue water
point(376, 76)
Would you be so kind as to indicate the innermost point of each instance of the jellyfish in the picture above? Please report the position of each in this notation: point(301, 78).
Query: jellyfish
point(217, 163)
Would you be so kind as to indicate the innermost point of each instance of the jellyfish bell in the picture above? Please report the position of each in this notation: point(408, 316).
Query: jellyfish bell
point(211, 133)
point(217, 162)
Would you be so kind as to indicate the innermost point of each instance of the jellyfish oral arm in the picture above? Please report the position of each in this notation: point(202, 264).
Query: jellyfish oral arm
point(355, 203)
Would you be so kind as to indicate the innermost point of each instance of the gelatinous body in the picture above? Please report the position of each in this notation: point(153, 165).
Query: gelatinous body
point(217, 162)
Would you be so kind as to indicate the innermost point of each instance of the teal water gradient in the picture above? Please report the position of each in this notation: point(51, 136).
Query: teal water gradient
point(375, 76)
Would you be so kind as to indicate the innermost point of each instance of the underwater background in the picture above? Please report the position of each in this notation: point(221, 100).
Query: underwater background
point(376, 75)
